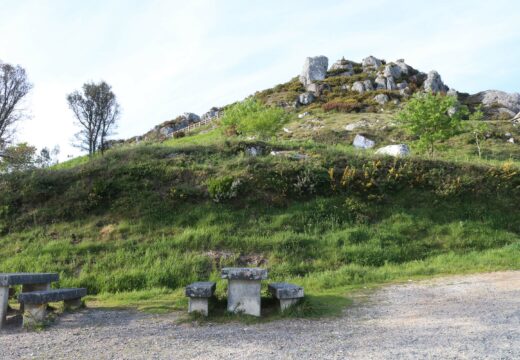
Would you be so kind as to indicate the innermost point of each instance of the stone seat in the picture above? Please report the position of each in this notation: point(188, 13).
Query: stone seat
point(287, 294)
point(35, 302)
point(198, 294)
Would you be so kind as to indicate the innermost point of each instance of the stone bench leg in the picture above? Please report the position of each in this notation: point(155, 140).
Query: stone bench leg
point(4, 301)
point(244, 297)
point(34, 314)
point(198, 305)
point(33, 287)
point(287, 303)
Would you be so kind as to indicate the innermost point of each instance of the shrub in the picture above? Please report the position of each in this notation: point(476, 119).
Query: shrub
point(223, 188)
point(250, 117)
point(179, 134)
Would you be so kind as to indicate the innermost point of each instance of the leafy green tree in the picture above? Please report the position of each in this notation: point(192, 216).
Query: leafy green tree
point(250, 117)
point(432, 118)
point(478, 128)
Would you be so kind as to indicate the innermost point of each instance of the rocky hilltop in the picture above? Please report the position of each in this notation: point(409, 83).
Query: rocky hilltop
point(370, 85)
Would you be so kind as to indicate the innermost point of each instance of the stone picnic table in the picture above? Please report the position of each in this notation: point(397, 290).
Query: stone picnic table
point(244, 285)
point(29, 281)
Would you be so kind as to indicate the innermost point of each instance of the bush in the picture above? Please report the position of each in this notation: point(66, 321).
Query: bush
point(223, 188)
point(250, 117)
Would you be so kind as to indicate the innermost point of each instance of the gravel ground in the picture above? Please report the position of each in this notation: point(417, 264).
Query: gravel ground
point(474, 317)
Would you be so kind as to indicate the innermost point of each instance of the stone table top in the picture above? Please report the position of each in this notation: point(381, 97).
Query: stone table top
point(251, 274)
point(9, 279)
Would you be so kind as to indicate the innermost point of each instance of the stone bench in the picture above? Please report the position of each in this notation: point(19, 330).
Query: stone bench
point(288, 294)
point(198, 294)
point(29, 282)
point(36, 302)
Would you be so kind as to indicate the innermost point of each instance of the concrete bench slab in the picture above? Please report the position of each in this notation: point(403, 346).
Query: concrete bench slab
point(35, 303)
point(201, 289)
point(199, 293)
point(287, 294)
point(10, 279)
point(44, 297)
point(244, 274)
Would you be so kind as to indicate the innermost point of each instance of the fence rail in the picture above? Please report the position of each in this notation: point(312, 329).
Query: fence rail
point(192, 126)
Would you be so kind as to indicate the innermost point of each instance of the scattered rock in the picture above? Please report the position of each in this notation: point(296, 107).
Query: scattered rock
point(511, 140)
point(362, 142)
point(314, 68)
point(345, 87)
point(287, 130)
point(306, 98)
point(290, 154)
point(394, 150)
point(371, 63)
point(302, 115)
point(381, 99)
point(433, 83)
point(359, 87)
point(317, 89)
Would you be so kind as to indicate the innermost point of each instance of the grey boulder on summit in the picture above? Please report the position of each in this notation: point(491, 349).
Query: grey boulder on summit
point(314, 68)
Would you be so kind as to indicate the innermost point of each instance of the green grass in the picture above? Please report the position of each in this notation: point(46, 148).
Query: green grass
point(138, 224)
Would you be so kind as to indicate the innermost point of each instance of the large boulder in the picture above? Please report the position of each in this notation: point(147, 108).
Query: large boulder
point(405, 69)
point(392, 70)
point(434, 84)
point(371, 63)
point(394, 150)
point(380, 82)
point(314, 68)
point(362, 142)
point(497, 103)
point(390, 83)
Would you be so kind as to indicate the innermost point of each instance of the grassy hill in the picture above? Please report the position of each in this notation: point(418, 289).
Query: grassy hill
point(138, 224)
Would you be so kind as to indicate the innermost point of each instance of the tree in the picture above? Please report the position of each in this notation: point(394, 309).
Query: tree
point(14, 86)
point(432, 118)
point(250, 117)
point(96, 110)
point(478, 128)
point(47, 157)
point(19, 157)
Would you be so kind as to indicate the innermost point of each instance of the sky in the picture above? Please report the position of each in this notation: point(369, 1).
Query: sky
point(163, 58)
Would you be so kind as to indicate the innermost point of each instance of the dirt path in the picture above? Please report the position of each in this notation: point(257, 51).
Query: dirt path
point(474, 317)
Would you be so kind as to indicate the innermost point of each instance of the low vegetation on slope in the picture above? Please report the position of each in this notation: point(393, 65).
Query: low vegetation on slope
point(144, 221)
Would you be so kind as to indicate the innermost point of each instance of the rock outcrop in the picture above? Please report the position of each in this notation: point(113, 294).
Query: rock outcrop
point(371, 63)
point(342, 66)
point(314, 68)
point(306, 98)
point(497, 104)
point(213, 113)
point(433, 83)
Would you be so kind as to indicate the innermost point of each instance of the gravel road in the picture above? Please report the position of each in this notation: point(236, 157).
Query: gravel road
point(460, 317)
